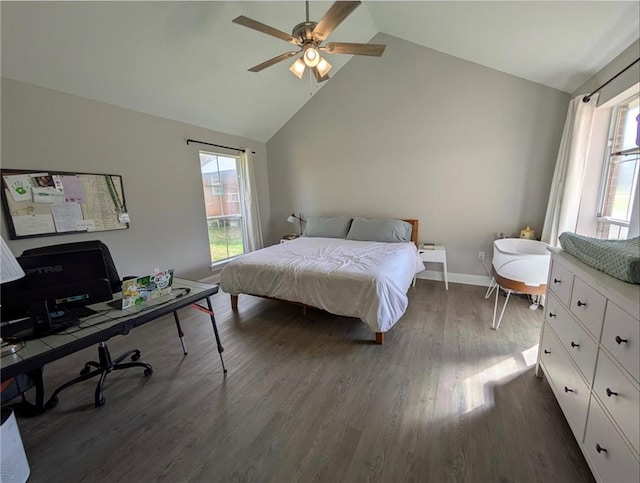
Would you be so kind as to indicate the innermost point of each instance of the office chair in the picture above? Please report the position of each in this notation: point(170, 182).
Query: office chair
point(105, 363)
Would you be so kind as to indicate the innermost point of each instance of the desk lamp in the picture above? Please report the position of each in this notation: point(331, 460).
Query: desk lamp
point(13, 460)
point(10, 270)
point(293, 218)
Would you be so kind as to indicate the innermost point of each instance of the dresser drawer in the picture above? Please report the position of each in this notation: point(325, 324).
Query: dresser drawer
point(619, 396)
point(588, 305)
point(609, 455)
point(620, 335)
point(561, 282)
point(570, 390)
point(578, 344)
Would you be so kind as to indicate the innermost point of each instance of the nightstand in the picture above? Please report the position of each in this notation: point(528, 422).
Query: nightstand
point(287, 238)
point(436, 255)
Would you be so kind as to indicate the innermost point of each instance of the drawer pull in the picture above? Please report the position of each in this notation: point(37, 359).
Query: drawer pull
point(600, 449)
point(611, 393)
point(573, 344)
point(620, 340)
point(555, 280)
point(566, 389)
point(547, 352)
point(582, 304)
point(551, 314)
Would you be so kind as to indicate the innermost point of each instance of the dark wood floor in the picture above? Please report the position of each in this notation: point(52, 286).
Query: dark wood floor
point(313, 399)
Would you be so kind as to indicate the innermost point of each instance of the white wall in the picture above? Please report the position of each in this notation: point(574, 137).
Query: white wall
point(626, 80)
point(49, 130)
point(467, 150)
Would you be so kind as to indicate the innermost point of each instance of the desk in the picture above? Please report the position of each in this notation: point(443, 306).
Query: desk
point(101, 327)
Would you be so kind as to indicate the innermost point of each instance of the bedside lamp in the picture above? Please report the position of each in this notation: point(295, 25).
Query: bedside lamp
point(293, 218)
point(10, 270)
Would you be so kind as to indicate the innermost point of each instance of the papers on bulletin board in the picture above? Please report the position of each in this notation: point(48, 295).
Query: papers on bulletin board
point(102, 202)
point(41, 180)
point(73, 190)
point(46, 203)
point(26, 225)
point(66, 216)
point(47, 195)
point(86, 225)
point(19, 186)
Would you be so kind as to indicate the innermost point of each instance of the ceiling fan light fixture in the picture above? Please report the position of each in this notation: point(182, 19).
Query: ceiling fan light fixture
point(297, 68)
point(311, 55)
point(323, 67)
point(309, 37)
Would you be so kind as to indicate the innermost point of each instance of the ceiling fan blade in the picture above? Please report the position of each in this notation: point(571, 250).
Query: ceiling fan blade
point(375, 50)
point(318, 77)
point(275, 60)
point(334, 17)
point(265, 29)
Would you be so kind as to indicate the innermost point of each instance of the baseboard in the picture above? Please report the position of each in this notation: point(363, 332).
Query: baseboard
point(465, 278)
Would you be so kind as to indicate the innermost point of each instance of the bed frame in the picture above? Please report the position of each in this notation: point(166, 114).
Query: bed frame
point(379, 335)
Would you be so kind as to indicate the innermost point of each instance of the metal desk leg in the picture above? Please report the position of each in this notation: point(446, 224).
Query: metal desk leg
point(36, 376)
point(215, 331)
point(26, 409)
point(180, 333)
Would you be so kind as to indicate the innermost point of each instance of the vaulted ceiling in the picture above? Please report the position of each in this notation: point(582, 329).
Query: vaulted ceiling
point(187, 61)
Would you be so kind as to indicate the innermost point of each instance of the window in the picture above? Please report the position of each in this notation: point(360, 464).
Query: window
point(224, 213)
point(619, 184)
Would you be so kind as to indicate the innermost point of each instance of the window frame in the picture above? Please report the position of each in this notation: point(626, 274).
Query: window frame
point(223, 194)
point(605, 181)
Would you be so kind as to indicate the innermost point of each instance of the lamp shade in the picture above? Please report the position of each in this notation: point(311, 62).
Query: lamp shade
point(298, 68)
point(292, 218)
point(323, 67)
point(9, 268)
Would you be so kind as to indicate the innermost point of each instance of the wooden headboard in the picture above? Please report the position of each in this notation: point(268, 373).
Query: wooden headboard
point(414, 231)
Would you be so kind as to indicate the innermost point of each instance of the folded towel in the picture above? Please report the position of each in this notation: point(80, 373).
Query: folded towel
point(618, 258)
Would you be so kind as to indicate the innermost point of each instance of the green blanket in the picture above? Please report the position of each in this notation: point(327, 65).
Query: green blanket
point(618, 258)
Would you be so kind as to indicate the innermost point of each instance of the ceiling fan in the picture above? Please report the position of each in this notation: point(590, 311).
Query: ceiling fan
point(308, 36)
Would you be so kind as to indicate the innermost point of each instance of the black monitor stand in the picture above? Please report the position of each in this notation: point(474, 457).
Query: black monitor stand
point(43, 322)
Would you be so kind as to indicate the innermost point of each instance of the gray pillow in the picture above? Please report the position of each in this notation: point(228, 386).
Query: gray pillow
point(371, 229)
point(327, 226)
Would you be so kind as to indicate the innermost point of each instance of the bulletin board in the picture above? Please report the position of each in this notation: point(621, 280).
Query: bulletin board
point(47, 203)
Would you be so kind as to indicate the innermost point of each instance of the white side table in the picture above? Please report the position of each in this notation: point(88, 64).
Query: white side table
point(284, 239)
point(437, 255)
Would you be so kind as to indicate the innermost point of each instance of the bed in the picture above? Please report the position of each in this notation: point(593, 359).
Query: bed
point(341, 267)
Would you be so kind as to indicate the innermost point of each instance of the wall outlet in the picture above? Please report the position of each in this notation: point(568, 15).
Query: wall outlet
point(480, 255)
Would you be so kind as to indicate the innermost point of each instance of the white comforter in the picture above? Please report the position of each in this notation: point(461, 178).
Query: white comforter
point(368, 280)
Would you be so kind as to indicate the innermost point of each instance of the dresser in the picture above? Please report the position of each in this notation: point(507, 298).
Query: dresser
point(589, 352)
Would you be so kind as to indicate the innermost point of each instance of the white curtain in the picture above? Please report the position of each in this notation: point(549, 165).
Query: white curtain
point(250, 210)
point(568, 177)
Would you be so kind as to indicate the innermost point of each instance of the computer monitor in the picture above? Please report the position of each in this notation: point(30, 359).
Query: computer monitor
point(59, 281)
point(112, 272)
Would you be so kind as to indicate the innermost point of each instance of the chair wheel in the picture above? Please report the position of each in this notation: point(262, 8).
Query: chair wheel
point(100, 402)
point(148, 372)
point(135, 356)
point(51, 403)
